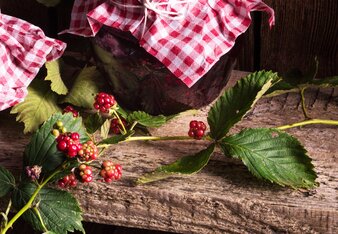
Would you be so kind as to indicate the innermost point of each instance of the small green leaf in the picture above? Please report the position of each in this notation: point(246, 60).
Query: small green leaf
point(38, 106)
point(116, 138)
point(281, 88)
point(54, 75)
point(105, 128)
point(42, 149)
point(237, 101)
point(273, 155)
point(122, 112)
point(146, 119)
point(184, 166)
point(93, 122)
point(59, 210)
point(326, 82)
point(86, 86)
point(7, 181)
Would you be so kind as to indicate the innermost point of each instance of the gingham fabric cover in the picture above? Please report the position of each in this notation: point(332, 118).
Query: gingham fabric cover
point(187, 47)
point(23, 50)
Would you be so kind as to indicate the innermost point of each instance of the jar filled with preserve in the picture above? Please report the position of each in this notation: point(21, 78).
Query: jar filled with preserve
point(165, 56)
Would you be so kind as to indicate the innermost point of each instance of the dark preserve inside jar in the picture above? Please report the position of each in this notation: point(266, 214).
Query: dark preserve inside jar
point(140, 82)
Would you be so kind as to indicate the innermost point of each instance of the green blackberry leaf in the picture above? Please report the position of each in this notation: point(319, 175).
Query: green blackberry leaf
point(54, 75)
point(231, 107)
point(272, 155)
point(184, 166)
point(105, 128)
point(93, 122)
point(87, 84)
point(122, 112)
point(42, 149)
point(281, 88)
point(116, 138)
point(59, 210)
point(38, 106)
point(7, 181)
point(147, 120)
point(326, 82)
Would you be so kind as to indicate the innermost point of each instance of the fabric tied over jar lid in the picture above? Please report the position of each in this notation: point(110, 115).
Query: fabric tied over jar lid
point(187, 36)
point(24, 48)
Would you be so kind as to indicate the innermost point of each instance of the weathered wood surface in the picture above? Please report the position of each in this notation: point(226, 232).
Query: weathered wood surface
point(224, 197)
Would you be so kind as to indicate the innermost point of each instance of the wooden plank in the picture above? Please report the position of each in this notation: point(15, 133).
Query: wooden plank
point(303, 30)
point(246, 58)
point(224, 197)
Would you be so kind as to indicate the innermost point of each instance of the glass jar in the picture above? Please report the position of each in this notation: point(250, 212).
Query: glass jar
point(140, 82)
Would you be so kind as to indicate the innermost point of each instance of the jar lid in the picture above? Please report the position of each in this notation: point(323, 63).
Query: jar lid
point(24, 49)
point(187, 36)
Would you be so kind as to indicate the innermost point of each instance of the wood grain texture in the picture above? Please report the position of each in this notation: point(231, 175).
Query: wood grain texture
point(245, 61)
point(303, 30)
point(224, 197)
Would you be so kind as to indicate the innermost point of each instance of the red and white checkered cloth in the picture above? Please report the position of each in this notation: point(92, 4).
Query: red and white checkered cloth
point(24, 48)
point(188, 47)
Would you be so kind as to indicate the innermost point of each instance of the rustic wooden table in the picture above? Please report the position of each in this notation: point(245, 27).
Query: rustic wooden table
point(224, 197)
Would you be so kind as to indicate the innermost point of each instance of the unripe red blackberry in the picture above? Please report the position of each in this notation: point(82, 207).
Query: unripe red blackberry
point(69, 144)
point(72, 110)
point(85, 172)
point(110, 171)
point(103, 102)
point(197, 129)
point(88, 152)
point(115, 125)
point(68, 181)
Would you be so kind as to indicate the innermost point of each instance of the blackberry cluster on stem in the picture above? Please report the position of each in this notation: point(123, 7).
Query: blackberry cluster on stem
point(70, 109)
point(69, 144)
point(197, 129)
point(103, 102)
point(116, 126)
point(110, 171)
point(68, 181)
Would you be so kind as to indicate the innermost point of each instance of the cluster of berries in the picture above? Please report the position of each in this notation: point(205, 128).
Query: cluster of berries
point(85, 173)
point(197, 129)
point(69, 144)
point(111, 171)
point(70, 109)
point(103, 102)
point(68, 181)
point(116, 126)
point(88, 152)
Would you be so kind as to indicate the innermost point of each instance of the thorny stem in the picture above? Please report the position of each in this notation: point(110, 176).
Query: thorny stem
point(157, 138)
point(30, 201)
point(307, 122)
point(302, 95)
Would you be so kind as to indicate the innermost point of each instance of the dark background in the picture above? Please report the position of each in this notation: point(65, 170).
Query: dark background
point(304, 29)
